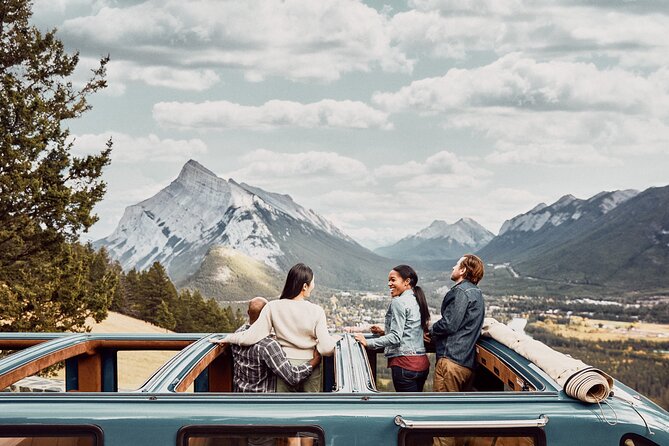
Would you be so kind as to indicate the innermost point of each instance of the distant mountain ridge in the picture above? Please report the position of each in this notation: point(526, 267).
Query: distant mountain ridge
point(440, 241)
point(616, 238)
point(180, 224)
point(545, 227)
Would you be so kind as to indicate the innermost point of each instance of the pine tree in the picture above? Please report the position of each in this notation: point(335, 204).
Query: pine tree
point(164, 317)
point(155, 288)
point(46, 194)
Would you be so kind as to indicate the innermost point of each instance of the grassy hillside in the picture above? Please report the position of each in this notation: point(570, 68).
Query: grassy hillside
point(229, 276)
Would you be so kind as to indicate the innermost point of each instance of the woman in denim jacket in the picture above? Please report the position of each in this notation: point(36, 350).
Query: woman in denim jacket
point(407, 319)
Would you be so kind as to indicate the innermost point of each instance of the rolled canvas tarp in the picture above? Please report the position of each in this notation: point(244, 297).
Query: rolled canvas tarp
point(578, 379)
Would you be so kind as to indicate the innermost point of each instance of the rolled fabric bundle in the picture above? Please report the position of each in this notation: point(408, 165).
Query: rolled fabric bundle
point(578, 379)
point(589, 385)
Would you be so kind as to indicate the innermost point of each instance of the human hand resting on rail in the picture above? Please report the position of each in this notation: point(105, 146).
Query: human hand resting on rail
point(224, 345)
point(375, 329)
point(360, 338)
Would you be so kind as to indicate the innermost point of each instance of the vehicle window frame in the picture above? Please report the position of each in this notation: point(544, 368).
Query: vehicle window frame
point(53, 430)
point(538, 433)
point(245, 429)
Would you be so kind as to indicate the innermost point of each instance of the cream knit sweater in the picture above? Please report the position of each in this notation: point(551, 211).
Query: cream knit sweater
point(299, 326)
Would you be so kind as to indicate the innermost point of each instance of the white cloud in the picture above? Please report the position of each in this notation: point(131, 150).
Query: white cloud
point(591, 138)
point(121, 72)
point(488, 7)
point(451, 37)
point(272, 114)
point(521, 82)
point(296, 39)
point(129, 149)
point(631, 32)
point(443, 170)
point(264, 167)
point(547, 112)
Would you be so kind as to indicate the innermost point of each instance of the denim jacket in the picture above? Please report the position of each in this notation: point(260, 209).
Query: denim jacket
point(404, 334)
point(456, 333)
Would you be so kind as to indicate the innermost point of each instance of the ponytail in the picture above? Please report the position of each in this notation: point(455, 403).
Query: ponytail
point(407, 272)
point(422, 304)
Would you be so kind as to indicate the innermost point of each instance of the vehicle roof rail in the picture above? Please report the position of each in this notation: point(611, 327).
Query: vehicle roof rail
point(170, 374)
point(25, 362)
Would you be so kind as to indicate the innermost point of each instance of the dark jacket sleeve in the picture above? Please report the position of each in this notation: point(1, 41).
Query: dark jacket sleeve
point(452, 315)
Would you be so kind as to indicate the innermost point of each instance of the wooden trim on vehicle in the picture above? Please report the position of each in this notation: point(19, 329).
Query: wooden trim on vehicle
point(32, 367)
point(220, 366)
point(89, 359)
point(501, 370)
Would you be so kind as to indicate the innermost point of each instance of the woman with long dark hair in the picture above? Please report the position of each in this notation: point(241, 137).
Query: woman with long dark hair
point(299, 325)
point(407, 319)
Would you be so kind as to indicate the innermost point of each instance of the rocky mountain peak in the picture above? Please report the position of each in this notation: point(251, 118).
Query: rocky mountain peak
point(198, 210)
point(206, 185)
point(564, 201)
point(440, 240)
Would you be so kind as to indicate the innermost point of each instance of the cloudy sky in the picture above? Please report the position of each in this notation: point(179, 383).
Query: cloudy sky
point(380, 115)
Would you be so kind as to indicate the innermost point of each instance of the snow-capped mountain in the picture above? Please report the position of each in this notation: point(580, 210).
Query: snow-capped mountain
point(567, 208)
point(616, 239)
point(198, 210)
point(547, 226)
point(440, 241)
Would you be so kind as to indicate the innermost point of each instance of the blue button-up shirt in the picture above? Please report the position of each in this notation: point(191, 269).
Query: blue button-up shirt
point(456, 333)
point(404, 334)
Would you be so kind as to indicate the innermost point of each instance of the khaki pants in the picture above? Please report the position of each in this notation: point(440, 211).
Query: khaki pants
point(312, 384)
point(450, 377)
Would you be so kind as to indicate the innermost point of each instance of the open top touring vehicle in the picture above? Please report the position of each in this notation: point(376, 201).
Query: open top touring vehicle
point(188, 401)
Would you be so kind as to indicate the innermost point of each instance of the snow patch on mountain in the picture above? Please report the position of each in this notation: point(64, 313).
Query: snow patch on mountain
point(526, 222)
point(567, 208)
point(285, 204)
point(616, 198)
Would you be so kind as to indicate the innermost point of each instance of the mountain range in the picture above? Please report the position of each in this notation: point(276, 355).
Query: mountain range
point(439, 241)
point(233, 240)
point(180, 224)
point(616, 238)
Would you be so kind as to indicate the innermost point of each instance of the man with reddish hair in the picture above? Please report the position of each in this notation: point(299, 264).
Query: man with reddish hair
point(456, 333)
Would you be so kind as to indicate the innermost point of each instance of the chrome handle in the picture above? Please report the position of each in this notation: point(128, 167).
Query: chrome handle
point(495, 424)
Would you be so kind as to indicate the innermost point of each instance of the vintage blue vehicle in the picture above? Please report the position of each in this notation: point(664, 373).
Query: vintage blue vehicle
point(188, 401)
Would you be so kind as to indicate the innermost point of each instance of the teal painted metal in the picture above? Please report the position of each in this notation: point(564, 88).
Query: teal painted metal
point(354, 413)
point(168, 377)
point(18, 359)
